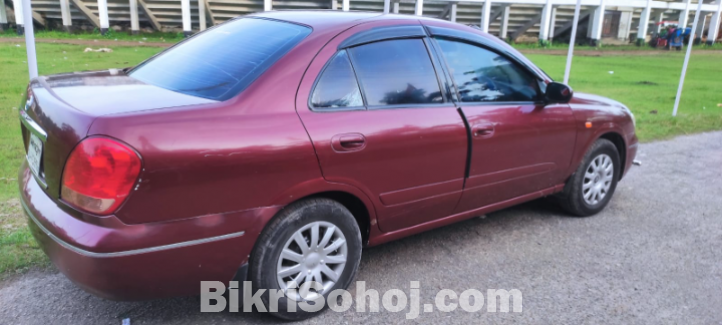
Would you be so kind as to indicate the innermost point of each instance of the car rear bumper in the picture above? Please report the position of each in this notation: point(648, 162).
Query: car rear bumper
point(85, 253)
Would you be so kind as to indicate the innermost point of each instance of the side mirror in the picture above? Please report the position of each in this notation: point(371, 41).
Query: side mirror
point(558, 93)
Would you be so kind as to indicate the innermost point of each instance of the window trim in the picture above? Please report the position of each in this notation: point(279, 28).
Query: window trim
point(318, 78)
point(494, 50)
point(403, 106)
point(433, 58)
point(383, 33)
point(439, 69)
point(482, 42)
point(451, 93)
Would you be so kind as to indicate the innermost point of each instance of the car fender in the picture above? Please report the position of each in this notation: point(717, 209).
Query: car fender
point(318, 186)
point(586, 136)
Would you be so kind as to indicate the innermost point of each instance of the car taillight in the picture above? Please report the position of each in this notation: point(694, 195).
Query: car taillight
point(99, 175)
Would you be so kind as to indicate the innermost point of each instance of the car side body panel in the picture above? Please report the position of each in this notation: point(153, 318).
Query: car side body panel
point(606, 117)
point(529, 149)
point(412, 163)
point(215, 173)
point(227, 156)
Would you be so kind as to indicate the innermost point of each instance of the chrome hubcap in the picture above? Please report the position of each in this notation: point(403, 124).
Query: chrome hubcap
point(598, 179)
point(316, 252)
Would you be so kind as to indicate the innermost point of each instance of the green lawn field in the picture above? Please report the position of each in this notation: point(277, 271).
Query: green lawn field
point(18, 250)
point(95, 35)
point(645, 83)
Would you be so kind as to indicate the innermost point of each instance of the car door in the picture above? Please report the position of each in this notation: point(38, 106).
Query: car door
point(379, 121)
point(518, 144)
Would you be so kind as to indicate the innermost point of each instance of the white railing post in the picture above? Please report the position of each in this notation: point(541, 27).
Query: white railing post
point(553, 23)
point(598, 21)
point(3, 17)
point(334, 5)
point(267, 5)
point(572, 40)
point(485, 12)
point(545, 23)
point(686, 61)
point(186, 15)
point(387, 6)
point(202, 15)
point(103, 15)
point(419, 8)
point(625, 25)
point(643, 24)
point(396, 7)
point(699, 30)
point(18, 6)
point(684, 15)
point(505, 23)
point(659, 17)
point(134, 25)
point(65, 15)
point(29, 38)
point(713, 31)
point(452, 14)
point(346, 5)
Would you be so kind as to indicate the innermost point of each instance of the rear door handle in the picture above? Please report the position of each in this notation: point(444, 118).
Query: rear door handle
point(348, 142)
point(483, 130)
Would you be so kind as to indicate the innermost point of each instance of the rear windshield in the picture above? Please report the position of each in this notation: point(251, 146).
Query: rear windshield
point(221, 62)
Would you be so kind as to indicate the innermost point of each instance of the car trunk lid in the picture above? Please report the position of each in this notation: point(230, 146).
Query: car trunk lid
point(57, 125)
point(59, 110)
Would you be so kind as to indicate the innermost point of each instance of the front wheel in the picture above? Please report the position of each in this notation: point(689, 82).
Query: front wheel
point(311, 241)
point(591, 187)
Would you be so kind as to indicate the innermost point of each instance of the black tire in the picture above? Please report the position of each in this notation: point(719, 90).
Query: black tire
point(264, 258)
point(572, 197)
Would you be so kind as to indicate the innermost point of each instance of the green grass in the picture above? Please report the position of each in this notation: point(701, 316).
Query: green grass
point(649, 83)
point(625, 47)
point(18, 250)
point(95, 35)
point(643, 83)
point(52, 58)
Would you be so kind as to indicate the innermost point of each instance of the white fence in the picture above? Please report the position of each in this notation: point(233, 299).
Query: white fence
point(505, 18)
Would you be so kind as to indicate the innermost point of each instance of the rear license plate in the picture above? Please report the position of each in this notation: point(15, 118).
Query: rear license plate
point(35, 152)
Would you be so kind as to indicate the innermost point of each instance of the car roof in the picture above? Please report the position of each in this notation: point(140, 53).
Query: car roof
point(335, 21)
point(332, 18)
point(318, 18)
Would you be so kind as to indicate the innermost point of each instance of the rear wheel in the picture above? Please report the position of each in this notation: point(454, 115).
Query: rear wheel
point(591, 187)
point(316, 240)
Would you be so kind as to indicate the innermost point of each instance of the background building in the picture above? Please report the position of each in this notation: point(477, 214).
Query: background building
point(520, 22)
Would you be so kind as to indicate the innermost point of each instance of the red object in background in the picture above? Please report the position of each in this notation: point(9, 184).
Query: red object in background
point(215, 170)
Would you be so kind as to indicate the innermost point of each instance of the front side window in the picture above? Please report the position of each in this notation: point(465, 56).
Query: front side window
point(337, 86)
point(396, 72)
point(221, 62)
point(485, 76)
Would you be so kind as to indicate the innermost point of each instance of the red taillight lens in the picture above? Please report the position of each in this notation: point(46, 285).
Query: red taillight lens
point(99, 175)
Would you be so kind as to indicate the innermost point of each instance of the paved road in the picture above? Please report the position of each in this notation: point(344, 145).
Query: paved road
point(652, 257)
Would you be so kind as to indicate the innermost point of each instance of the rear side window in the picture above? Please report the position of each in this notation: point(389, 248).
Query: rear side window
point(396, 72)
point(485, 76)
point(337, 86)
point(221, 62)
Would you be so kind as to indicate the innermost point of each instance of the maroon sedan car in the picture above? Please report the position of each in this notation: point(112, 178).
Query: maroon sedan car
point(273, 147)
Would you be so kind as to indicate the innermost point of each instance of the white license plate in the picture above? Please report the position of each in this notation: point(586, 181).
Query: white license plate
point(35, 152)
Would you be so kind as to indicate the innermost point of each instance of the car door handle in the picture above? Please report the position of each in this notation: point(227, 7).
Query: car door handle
point(348, 142)
point(483, 130)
